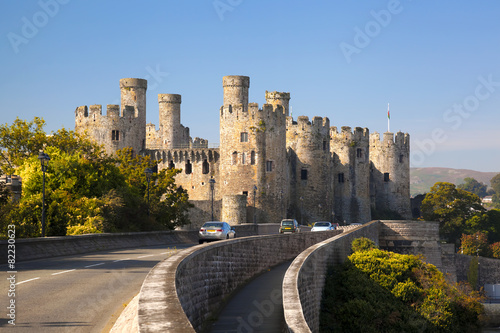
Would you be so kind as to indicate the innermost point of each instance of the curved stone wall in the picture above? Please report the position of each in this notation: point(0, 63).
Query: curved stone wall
point(183, 291)
point(305, 278)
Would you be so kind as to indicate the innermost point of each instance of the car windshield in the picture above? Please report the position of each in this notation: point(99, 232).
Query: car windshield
point(322, 224)
point(287, 223)
point(212, 225)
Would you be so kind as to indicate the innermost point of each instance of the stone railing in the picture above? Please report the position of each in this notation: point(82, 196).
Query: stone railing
point(182, 292)
point(305, 278)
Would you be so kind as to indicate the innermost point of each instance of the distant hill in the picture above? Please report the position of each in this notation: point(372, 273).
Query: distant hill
point(422, 179)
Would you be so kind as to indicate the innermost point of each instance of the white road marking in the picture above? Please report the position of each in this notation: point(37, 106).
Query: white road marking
point(121, 259)
point(94, 265)
point(149, 255)
point(69, 270)
point(27, 280)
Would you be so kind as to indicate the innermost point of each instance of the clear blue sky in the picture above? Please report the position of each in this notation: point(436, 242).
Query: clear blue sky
point(436, 63)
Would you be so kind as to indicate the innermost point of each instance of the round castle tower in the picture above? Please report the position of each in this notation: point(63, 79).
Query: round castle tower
point(310, 166)
point(252, 151)
point(133, 102)
point(390, 175)
point(170, 120)
point(351, 173)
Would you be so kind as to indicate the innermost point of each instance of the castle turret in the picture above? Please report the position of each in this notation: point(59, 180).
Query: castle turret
point(278, 98)
point(170, 119)
point(390, 174)
point(133, 94)
point(351, 169)
point(236, 90)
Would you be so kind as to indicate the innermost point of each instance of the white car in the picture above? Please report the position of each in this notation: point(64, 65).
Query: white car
point(215, 230)
point(322, 226)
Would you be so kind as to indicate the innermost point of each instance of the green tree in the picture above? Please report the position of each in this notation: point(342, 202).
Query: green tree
point(168, 202)
point(20, 140)
point(486, 222)
point(452, 207)
point(74, 183)
point(495, 184)
point(473, 186)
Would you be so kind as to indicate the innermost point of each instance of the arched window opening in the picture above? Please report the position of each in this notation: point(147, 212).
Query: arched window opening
point(205, 167)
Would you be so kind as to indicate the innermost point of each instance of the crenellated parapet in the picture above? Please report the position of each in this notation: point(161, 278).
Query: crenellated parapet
point(346, 136)
point(400, 140)
point(279, 98)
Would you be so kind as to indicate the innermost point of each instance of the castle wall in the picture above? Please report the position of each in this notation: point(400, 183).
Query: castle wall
point(114, 130)
point(390, 174)
point(351, 165)
point(310, 168)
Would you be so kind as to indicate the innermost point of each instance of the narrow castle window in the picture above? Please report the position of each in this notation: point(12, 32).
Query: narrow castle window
point(115, 135)
point(269, 166)
point(324, 145)
point(205, 167)
point(341, 177)
point(234, 158)
point(188, 167)
point(243, 158)
point(252, 158)
point(303, 174)
point(244, 137)
point(171, 164)
point(401, 158)
point(386, 177)
point(359, 153)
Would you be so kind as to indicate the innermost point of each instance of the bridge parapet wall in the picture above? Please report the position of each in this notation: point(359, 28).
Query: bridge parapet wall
point(305, 278)
point(182, 292)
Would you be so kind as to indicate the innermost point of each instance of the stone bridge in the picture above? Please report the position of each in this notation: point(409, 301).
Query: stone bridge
point(184, 291)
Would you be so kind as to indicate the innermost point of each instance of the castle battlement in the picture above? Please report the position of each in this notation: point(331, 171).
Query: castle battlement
point(169, 98)
point(358, 135)
point(318, 124)
point(95, 112)
point(401, 140)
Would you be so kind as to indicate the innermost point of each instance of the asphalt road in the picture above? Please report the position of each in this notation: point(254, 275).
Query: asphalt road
point(81, 293)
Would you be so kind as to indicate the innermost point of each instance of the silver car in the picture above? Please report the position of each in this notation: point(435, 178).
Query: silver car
point(215, 230)
point(322, 226)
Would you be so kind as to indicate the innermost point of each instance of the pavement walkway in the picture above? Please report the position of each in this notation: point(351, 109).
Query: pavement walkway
point(257, 307)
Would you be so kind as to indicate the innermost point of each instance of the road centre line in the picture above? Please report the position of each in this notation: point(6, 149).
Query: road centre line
point(121, 260)
point(102, 263)
point(70, 270)
point(149, 255)
point(27, 281)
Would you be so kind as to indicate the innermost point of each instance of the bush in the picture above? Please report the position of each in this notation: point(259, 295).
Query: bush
point(380, 291)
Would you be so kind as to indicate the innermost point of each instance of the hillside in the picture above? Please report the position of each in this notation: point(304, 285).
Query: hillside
point(422, 179)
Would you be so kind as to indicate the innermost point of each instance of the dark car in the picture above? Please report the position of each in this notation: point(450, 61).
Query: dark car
point(215, 230)
point(289, 226)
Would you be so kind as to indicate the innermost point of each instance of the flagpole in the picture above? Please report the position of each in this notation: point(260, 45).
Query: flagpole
point(388, 119)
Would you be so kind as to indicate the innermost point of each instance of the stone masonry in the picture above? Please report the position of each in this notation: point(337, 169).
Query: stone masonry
point(285, 168)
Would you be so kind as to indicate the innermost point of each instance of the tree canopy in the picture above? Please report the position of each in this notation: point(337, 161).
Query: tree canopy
point(473, 186)
point(381, 291)
point(86, 190)
point(452, 207)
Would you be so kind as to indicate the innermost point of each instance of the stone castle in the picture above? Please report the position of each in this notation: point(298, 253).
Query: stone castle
point(268, 166)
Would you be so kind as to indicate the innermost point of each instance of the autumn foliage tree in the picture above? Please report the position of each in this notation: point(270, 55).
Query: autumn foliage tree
point(476, 244)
